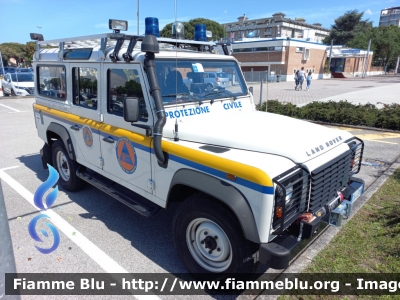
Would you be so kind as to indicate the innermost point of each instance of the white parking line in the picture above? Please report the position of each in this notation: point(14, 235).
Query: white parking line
point(102, 259)
point(10, 108)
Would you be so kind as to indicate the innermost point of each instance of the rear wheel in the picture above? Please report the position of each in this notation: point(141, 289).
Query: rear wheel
point(209, 87)
point(210, 241)
point(66, 167)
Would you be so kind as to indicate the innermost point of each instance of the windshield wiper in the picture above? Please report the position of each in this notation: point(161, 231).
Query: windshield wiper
point(221, 91)
point(174, 95)
point(192, 98)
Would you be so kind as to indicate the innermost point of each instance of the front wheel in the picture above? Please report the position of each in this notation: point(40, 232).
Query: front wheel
point(210, 241)
point(66, 168)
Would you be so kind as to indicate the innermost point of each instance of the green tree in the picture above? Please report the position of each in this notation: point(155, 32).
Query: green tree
point(29, 50)
point(11, 50)
point(218, 31)
point(348, 26)
point(385, 42)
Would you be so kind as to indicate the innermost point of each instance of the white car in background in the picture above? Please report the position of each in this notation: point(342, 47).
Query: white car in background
point(210, 80)
point(18, 84)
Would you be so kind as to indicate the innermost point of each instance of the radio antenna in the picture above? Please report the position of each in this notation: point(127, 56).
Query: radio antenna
point(176, 134)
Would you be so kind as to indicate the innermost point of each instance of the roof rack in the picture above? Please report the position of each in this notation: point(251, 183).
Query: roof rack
point(116, 40)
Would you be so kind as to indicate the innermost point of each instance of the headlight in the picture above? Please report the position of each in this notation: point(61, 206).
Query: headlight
point(279, 193)
point(289, 192)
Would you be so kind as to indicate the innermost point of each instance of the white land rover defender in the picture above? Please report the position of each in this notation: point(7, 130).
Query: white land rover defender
point(114, 111)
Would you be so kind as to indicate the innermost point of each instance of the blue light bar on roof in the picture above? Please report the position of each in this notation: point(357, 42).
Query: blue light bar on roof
point(152, 27)
point(200, 32)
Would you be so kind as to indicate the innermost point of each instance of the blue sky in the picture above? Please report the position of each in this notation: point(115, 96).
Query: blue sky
point(70, 18)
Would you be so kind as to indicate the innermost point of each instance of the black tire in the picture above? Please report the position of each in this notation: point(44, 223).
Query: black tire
point(12, 92)
point(193, 220)
point(66, 167)
point(209, 87)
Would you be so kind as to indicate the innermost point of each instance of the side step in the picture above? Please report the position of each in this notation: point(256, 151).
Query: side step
point(135, 201)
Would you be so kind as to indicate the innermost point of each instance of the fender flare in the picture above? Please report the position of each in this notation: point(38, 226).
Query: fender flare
point(223, 191)
point(63, 133)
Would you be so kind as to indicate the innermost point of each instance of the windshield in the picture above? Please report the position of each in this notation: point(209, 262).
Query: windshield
point(21, 77)
point(198, 80)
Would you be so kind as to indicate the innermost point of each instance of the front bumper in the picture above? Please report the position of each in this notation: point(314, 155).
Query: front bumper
point(278, 253)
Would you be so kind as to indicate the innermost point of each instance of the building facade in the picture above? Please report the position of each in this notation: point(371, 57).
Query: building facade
point(390, 16)
point(280, 58)
point(276, 26)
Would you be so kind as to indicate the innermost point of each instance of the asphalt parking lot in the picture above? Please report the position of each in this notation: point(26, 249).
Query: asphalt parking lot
point(98, 234)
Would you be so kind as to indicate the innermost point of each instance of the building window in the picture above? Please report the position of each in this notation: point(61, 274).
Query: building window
point(299, 49)
point(306, 54)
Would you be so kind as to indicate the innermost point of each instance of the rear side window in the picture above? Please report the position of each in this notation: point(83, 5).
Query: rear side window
point(85, 87)
point(51, 82)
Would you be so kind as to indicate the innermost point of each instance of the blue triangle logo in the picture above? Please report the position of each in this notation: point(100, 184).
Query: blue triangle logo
point(124, 156)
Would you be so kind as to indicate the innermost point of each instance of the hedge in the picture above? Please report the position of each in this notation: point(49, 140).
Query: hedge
point(341, 112)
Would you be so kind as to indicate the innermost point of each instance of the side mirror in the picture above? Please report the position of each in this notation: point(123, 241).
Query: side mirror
point(131, 109)
point(251, 90)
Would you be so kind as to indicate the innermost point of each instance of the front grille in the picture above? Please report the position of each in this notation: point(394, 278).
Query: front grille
point(328, 179)
point(314, 190)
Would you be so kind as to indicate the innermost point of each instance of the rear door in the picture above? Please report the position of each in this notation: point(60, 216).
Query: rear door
point(86, 120)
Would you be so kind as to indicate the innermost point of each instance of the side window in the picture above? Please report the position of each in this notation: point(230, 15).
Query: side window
point(212, 75)
point(51, 82)
point(84, 86)
point(122, 84)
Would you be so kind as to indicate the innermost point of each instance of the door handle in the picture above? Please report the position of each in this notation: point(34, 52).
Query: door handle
point(75, 127)
point(109, 140)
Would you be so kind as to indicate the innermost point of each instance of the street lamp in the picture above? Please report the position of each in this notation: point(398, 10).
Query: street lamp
point(40, 29)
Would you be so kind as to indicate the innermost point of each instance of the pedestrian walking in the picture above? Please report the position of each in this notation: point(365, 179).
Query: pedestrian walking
point(308, 80)
point(296, 79)
point(301, 79)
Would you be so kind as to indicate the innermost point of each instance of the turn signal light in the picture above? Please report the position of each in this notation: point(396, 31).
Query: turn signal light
point(278, 212)
point(352, 163)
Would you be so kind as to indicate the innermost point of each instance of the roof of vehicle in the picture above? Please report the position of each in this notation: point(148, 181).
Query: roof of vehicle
point(102, 45)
